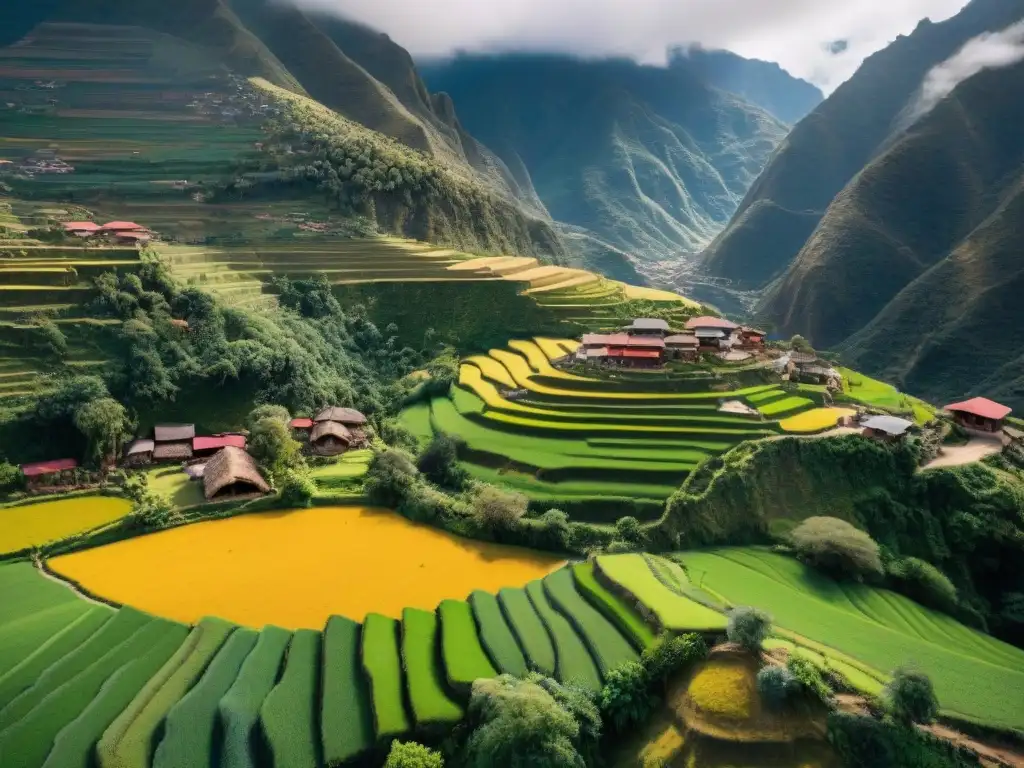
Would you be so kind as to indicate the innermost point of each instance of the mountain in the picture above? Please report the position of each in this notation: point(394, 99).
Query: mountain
point(830, 146)
point(644, 163)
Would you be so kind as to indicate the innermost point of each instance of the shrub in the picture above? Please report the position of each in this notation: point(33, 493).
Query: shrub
point(260, 412)
point(389, 477)
point(625, 698)
point(105, 424)
point(11, 478)
point(497, 509)
point(297, 489)
point(620, 547)
point(439, 462)
point(910, 697)
point(672, 654)
point(808, 678)
point(776, 685)
point(748, 627)
point(151, 510)
point(628, 529)
point(553, 527)
point(272, 445)
point(409, 754)
point(835, 546)
point(922, 581)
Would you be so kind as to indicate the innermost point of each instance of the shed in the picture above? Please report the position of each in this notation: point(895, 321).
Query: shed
point(886, 427)
point(348, 416)
point(122, 226)
point(645, 342)
point(329, 438)
point(232, 473)
point(205, 446)
point(708, 322)
point(140, 452)
point(649, 326)
point(301, 423)
point(179, 450)
point(166, 433)
point(53, 466)
point(77, 227)
point(980, 413)
point(681, 341)
point(593, 340)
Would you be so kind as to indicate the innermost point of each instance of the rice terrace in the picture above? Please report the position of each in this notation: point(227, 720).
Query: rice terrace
point(333, 435)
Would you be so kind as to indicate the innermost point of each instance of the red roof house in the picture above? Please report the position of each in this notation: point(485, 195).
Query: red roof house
point(122, 226)
point(81, 226)
point(212, 444)
point(301, 423)
point(719, 323)
point(37, 468)
point(980, 413)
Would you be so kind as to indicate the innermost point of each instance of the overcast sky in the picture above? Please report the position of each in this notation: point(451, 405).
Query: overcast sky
point(795, 33)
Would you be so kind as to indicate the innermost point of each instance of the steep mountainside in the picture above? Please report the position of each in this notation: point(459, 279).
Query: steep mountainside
point(832, 144)
point(649, 162)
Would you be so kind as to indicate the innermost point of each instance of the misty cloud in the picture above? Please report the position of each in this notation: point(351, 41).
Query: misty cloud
point(794, 33)
point(991, 50)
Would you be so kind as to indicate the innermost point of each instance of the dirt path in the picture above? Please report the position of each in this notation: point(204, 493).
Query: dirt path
point(976, 449)
point(990, 755)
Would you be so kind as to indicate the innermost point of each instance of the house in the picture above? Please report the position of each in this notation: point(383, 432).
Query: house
point(749, 338)
point(599, 340)
point(887, 428)
point(140, 452)
point(350, 417)
point(173, 442)
point(132, 238)
point(209, 445)
point(979, 414)
point(81, 228)
point(232, 474)
point(648, 326)
point(681, 346)
point(43, 473)
point(707, 323)
point(119, 227)
point(301, 424)
point(329, 438)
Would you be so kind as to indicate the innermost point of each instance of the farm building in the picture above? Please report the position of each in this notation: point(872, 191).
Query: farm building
point(888, 428)
point(232, 473)
point(681, 346)
point(140, 452)
point(644, 350)
point(81, 228)
point(706, 323)
point(119, 227)
point(648, 326)
point(980, 414)
point(40, 473)
point(350, 417)
point(207, 446)
point(173, 442)
point(301, 424)
point(749, 338)
point(329, 438)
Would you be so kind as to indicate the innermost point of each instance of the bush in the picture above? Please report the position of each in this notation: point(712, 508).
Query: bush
point(835, 546)
point(151, 511)
point(272, 445)
point(620, 547)
point(439, 462)
point(11, 478)
point(297, 489)
point(553, 527)
point(498, 510)
point(808, 678)
point(863, 741)
point(922, 581)
point(910, 697)
point(409, 754)
point(628, 529)
point(748, 627)
point(776, 685)
point(260, 412)
point(671, 654)
point(625, 697)
point(105, 424)
point(389, 477)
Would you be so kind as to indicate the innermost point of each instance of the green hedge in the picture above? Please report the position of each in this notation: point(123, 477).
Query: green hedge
point(239, 708)
point(496, 635)
point(464, 656)
point(424, 678)
point(382, 664)
point(288, 717)
point(615, 609)
point(128, 741)
point(346, 714)
point(575, 664)
point(192, 723)
point(529, 630)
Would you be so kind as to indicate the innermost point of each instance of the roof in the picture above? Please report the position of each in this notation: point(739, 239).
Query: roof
point(641, 353)
point(177, 322)
point(134, 235)
point(597, 352)
point(649, 324)
point(752, 331)
point(165, 433)
point(142, 445)
point(645, 341)
point(605, 339)
point(981, 406)
point(341, 415)
point(182, 449)
point(891, 425)
point(121, 226)
point(301, 423)
point(704, 321)
point(217, 441)
point(710, 333)
point(682, 340)
point(36, 468)
point(231, 465)
point(803, 358)
point(84, 226)
point(330, 429)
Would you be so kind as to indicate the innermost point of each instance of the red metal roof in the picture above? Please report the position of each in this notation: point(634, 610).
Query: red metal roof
point(217, 442)
point(605, 339)
point(646, 342)
point(710, 322)
point(642, 353)
point(36, 468)
point(83, 226)
point(301, 423)
point(981, 406)
point(121, 226)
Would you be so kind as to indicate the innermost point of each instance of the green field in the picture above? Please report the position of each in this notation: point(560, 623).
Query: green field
point(428, 699)
point(975, 676)
point(464, 657)
point(382, 663)
point(629, 622)
point(289, 715)
point(529, 630)
point(346, 716)
point(496, 635)
point(573, 661)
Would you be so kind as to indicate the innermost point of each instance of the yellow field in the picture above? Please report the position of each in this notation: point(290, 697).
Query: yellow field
point(815, 420)
point(724, 688)
point(295, 569)
point(35, 524)
point(654, 294)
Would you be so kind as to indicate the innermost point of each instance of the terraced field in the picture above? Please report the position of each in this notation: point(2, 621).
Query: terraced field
point(596, 436)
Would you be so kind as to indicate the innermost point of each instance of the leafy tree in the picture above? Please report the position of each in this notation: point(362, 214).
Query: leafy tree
point(910, 697)
point(389, 477)
point(809, 678)
point(276, 412)
point(800, 344)
point(776, 685)
point(297, 488)
point(409, 754)
point(11, 478)
point(444, 370)
point(582, 705)
point(150, 510)
point(497, 509)
point(671, 654)
point(69, 396)
point(748, 627)
point(553, 526)
point(439, 462)
point(628, 529)
point(106, 426)
point(272, 445)
point(922, 581)
point(625, 698)
point(835, 546)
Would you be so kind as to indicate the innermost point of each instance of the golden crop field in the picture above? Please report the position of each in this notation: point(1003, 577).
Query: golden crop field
point(31, 525)
point(295, 569)
point(815, 420)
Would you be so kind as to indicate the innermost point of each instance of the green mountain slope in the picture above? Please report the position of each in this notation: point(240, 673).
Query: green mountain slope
point(650, 162)
point(830, 146)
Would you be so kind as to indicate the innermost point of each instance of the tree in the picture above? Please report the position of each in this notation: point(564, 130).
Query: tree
point(922, 581)
point(297, 488)
point(260, 412)
point(439, 462)
point(809, 678)
point(671, 654)
point(553, 526)
point(390, 477)
point(748, 627)
point(272, 445)
point(910, 697)
point(11, 478)
point(628, 529)
point(105, 424)
point(409, 754)
point(800, 344)
point(497, 509)
point(625, 698)
point(443, 370)
point(835, 546)
point(69, 396)
point(776, 685)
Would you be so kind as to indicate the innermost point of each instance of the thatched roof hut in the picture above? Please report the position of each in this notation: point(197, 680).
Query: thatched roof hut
point(329, 438)
point(177, 451)
point(170, 433)
point(347, 416)
point(232, 472)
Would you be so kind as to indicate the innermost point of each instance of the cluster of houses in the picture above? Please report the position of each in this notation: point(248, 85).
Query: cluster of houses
point(219, 461)
point(979, 415)
point(650, 343)
point(124, 232)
